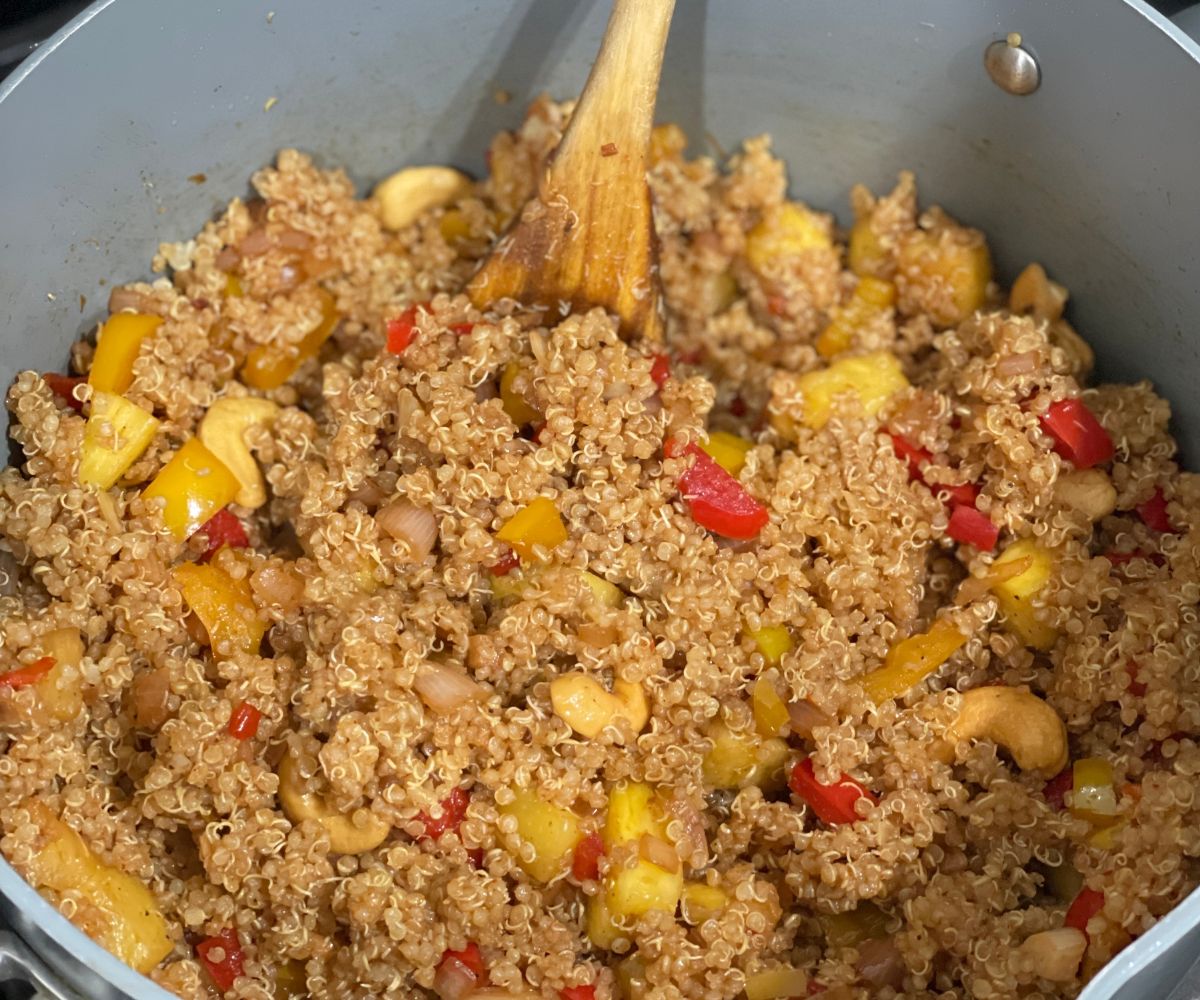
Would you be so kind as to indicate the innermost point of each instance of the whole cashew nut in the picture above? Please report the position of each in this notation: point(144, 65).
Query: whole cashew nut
point(345, 836)
point(1019, 721)
point(409, 193)
point(223, 430)
point(583, 704)
point(1055, 954)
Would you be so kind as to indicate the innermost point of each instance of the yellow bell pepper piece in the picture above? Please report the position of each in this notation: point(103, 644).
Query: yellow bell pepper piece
point(59, 697)
point(912, 660)
point(772, 641)
point(770, 712)
point(122, 914)
point(551, 830)
point(1093, 791)
point(117, 347)
point(955, 258)
point(537, 523)
point(1016, 593)
point(195, 484)
point(224, 605)
point(701, 902)
point(233, 287)
point(785, 230)
point(738, 760)
point(116, 434)
point(515, 405)
point(872, 296)
point(850, 929)
point(608, 594)
point(632, 892)
point(873, 378)
point(727, 450)
point(268, 366)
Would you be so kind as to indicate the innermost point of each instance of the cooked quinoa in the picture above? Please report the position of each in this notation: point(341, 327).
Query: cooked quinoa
point(411, 675)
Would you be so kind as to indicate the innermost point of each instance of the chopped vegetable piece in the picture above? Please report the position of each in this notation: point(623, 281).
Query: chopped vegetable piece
point(223, 528)
point(1055, 790)
point(63, 386)
point(505, 564)
point(1135, 687)
point(911, 660)
point(727, 450)
point(660, 370)
point(243, 723)
point(1153, 513)
point(116, 434)
point(608, 594)
point(1015, 594)
point(969, 526)
point(873, 378)
point(518, 408)
point(233, 287)
point(538, 523)
point(963, 495)
point(773, 642)
point(716, 500)
point(401, 330)
point(224, 605)
point(132, 925)
point(587, 992)
point(195, 485)
point(585, 863)
point(740, 759)
point(222, 958)
point(779, 983)
point(1078, 436)
point(552, 831)
point(917, 458)
point(771, 716)
point(268, 366)
point(454, 810)
point(1086, 905)
point(459, 972)
point(117, 346)
point(866, 922)
point(29, 674)
point(833, 804)
point(1093, 792)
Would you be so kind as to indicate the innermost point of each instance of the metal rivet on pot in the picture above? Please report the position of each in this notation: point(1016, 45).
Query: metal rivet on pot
point(1011, 66)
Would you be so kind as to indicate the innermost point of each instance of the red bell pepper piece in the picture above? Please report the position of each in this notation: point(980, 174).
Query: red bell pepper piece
point(402, 329)
point(1121, 558)
point(585, 864)
point(462, 329)
point(1055, 790)
point(505, 564)
point(1134, 687)
point(470, 956)
point(715, 499)
point(1078, 436)
point(1154, 513)
point(63, 386)
point(475, 856)
point(454, 808)
point(833, 804)
point(243, 722)
point(1086, 905)
point(660, 371)
point(962, 495)
point(737, 406)
point(222, 971)
point(30, 674)
point(972, 527)
point(578, 993)
point(223, 528)
point(917, 458)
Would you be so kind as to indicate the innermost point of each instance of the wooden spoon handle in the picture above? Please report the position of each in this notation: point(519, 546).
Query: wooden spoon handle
point(587, 238)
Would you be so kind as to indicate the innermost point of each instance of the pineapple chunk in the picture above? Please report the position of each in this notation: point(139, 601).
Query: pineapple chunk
point(946, 270)
point(778, 983)
point(727, 450)
point(515, 405)
point(873, 378)
point(602, 930)
point(872, 297)
point(785, 230)
point(772, 641)
point(608, 594)
point(118, 911)
point(738, 760)
point(1015, 594)
point(60, 692)
point(551, 830)
point(866, 254)
point(771, 717)
point(634, 890)
point(116, 434)
point(701, 902)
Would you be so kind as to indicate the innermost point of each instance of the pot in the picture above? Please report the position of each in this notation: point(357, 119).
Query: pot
point(110, 125)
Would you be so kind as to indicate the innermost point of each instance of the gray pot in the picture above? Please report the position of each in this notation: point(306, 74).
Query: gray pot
point(1094, 175)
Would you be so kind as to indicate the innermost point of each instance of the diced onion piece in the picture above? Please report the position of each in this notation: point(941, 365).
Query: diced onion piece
point(658, 852)
point(415, 526)
point(454, 980)
point(1017, 364)
point(804, 717)
point(445, 689)
point(880, 963)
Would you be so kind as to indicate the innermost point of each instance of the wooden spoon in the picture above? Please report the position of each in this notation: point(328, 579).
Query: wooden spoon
point(586, 238)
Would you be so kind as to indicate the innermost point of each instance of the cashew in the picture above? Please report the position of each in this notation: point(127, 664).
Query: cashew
point(1034, 293)
point(1080, 355)
point(345, 835)
point(1019, 721)
point(1088, 491)
point(409, 193)
point(586, 707)
point(222, 431)
point(1054, 955)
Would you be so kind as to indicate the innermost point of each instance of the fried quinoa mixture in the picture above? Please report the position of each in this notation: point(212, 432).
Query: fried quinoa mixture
point(844, 643)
